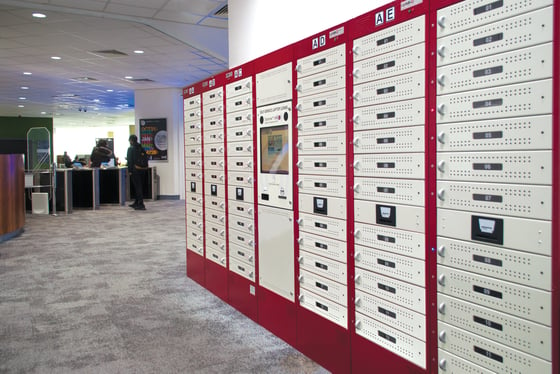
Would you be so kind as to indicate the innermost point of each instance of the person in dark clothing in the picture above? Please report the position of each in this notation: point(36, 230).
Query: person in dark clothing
point(101, 153)
point(67, 160)
point(136, 172)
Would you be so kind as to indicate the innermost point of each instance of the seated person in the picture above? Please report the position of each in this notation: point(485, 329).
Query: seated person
point(101, 153)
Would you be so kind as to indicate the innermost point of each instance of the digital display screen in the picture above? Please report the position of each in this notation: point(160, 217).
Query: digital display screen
point(275, 150)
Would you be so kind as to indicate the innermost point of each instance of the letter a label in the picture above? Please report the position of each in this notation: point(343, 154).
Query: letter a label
point(379, 19)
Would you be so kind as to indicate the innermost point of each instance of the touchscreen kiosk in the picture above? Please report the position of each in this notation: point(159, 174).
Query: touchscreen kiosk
point(275, 155)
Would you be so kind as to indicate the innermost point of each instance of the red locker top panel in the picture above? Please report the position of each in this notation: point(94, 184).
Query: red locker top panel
point(192, 90)
point(386, 16)
point(239, 72)
point(213, 81)
point(322, 40)
point(274, 59)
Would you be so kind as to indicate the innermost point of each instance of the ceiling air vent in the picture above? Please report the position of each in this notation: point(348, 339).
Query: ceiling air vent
point(84, 79)
point(110, 52)
point(140, 80)
point(222, 12)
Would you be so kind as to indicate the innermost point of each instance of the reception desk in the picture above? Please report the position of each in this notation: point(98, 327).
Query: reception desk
point(112, 186)
point(12, 195)
point(85, 188)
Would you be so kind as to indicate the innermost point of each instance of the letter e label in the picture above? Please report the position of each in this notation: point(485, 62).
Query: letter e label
point(390, 14)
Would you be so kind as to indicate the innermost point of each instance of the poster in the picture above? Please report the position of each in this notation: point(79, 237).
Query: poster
point(153, 138)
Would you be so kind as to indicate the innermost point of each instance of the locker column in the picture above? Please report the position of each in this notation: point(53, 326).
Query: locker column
point(321, 184)
point(215, 189)
point(389, 184)
point(194, 216)
point(494, 176)
point(241, 178)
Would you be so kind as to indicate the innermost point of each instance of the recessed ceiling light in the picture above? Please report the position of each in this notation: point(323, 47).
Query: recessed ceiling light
point(128, 77)
point(138, 51)
point(24, 87)
point(95, 100)
point(27, 73)
point(43, 112)
point(23, 98)
point(39, 15)
point(109, 90)
point(21, 106)
point(56, 58)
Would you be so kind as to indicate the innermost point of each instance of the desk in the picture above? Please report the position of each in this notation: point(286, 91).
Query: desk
point(112, 186)
point(85, 188)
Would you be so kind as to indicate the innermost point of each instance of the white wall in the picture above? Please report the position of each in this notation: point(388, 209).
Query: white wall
point(165, 103)
point(81, 139)
point(257, 27)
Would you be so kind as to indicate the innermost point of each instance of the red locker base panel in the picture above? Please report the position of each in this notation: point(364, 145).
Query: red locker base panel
point(277, 315)
point(323, 341)
point(217, 280)
point(195, 267)
point(368, 357)
point(240, 296)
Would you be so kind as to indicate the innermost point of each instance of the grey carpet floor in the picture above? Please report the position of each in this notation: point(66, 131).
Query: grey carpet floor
point(106, 292)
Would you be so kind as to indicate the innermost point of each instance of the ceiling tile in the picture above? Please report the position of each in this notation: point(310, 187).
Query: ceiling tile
point(130, 10)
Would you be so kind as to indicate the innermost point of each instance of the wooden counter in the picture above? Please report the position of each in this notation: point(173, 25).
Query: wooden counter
point(12, 195)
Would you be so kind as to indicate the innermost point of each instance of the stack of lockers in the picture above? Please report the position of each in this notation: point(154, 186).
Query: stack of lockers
point(389, 183)
point(214, 175)
point(193, 174)
point(494, 161)
point(241, 178)
point(321, 148)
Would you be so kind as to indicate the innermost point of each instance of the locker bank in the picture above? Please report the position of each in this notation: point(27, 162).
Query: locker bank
point(384, 195)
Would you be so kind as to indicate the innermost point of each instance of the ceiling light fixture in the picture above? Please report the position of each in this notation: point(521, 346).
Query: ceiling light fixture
point(128, 77)
point(138, 51)
point(21, 106)
point(109, 90)
point(22, 98)
point(39, 15)
point(43, 112)
point(24, 87)
point(27, 73)
point(56, 58)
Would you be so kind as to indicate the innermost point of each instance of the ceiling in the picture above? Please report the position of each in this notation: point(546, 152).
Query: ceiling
point(93, 82)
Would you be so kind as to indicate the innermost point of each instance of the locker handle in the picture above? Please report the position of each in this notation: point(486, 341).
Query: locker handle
point(441, 137)
point(299, 88)
point(442, 50)
point(441, 21)
point(248, 101)
point(358, 325)
point(249, 148)
point(441, 279)
point(300, 241)
point(222, 246)
point(248, 84)
point(250, 258)
point(442, 335)
point(356, 164)
point(358, 301)
point(357, 234)
point(300, 298)
point(357, 188)
point(441, 194)
point(299, 183)
point(299, 221)
point(299, 164)
point(299, 68)
point(251, 243)
point(441, 251)
point(300, 260)
point(222, 218)
point(250, 211)
point(357, 256)
point(358, 279)
point(250, 164)
point(442, 109)
point(299, 145)
point(356, 119)
point(356, 141)
point(356, 50)
point(441, 308)
point(222, 204)
point(299, 126)
point(442, 79)
point(223, 260)
point(441, 166)
point(299, 107)
point(249, 116)
point(223, 233)
point(356, 96)
point(356, 73)
point(300, 279)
